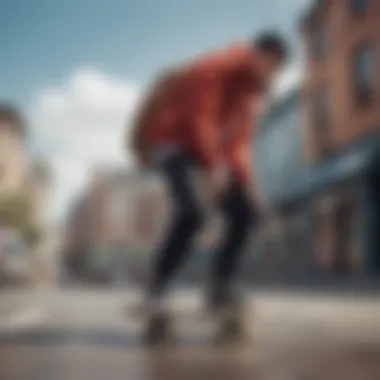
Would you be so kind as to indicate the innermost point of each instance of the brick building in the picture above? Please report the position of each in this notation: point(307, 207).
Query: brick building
point(342, 86)
point(342, 130)
point(127, 207)
point(120, 220)
point(121, 213)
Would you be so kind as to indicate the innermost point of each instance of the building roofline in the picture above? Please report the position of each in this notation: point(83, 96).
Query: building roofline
point(311, 11)
point(277, 109)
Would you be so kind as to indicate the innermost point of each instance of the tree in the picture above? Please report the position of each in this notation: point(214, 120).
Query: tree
point(16, 212)
point(31, 233)
point(14, 209)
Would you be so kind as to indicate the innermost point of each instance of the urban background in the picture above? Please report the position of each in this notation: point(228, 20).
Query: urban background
point(316, 156)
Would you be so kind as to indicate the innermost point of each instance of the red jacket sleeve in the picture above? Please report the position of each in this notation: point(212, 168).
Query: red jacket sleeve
point(205, 128)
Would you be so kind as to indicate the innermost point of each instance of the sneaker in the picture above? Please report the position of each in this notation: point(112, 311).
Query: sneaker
point(224, 298)
point(150, 305)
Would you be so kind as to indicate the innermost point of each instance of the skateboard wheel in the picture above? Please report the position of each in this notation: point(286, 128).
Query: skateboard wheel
point(232, 331)
point(159, 331)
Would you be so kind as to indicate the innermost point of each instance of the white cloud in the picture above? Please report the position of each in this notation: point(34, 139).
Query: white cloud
point(81, 123)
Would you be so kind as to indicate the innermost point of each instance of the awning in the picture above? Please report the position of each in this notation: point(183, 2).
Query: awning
point(340, 169)
point(336, 170)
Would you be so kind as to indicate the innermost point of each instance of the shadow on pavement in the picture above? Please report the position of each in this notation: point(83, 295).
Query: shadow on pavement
point(100, 337)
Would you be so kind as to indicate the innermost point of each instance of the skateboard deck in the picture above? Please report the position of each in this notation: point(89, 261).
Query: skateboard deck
point(226, 327)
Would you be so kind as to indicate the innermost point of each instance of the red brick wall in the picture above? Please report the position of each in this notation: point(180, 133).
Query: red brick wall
point(346, 32)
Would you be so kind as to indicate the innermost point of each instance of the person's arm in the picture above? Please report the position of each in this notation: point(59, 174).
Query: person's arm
point(241, 160)
point(244, 168)
point(204, 136)
point(148, 106)
point(204, 128)
point(240, 148)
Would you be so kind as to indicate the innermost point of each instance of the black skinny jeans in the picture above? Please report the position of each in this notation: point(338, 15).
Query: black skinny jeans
point(189, 217)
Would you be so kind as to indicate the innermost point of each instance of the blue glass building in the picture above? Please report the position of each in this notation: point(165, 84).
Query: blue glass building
point(330, 210)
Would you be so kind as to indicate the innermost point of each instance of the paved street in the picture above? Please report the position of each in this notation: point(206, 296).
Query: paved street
point(82, 335)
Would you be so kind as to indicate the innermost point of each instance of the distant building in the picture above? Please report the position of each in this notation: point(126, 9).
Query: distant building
point(122, 218)
point(121, 213)
point(21, 176)
point(128, 207)
point(13, 152)
point(39, 190)
point(77, 237)
point(39, 182)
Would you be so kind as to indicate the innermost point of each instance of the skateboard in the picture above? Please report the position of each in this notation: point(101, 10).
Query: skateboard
point(160, 328)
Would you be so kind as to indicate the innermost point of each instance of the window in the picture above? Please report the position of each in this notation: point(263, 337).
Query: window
point(319, 42)
point(322, 119)
point(146, 222)
point(364, 74)
point(117, 206)
point(358, 7)
point(347, 221)
point(322, 105)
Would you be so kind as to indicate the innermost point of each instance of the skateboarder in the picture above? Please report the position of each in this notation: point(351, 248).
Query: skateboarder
point(202, 116)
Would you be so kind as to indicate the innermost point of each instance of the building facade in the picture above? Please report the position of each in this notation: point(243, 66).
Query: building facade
point(24, 180)
point(342, 84)
point(121, 220)
point(342, 123)
point(39, 190)
point(129, 207)
point(77, 238)
point(13, 153)
point(40, 183)
point(117, 221)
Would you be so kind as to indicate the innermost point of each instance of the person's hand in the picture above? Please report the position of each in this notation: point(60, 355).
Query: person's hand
point(217, 182)
point(265, 208)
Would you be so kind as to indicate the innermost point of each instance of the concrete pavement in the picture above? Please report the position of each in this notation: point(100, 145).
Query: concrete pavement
point(84, 335)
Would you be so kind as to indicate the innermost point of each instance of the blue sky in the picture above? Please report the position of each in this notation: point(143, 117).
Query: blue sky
point(55, 55)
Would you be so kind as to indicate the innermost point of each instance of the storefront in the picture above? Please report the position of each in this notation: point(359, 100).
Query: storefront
point(282, 248)
point(295, 250)
point(330, 212)
point(340, 204)
point(339, 221)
